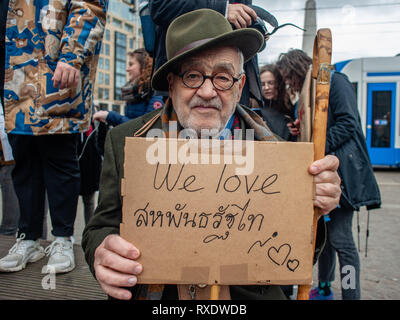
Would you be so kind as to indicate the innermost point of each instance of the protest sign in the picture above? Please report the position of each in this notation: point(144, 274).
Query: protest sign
point(215, 218)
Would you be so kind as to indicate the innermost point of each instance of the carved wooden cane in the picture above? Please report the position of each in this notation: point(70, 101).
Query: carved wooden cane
point(321, 72)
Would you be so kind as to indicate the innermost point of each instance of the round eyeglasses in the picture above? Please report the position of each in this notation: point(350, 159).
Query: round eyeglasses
point(221, 81)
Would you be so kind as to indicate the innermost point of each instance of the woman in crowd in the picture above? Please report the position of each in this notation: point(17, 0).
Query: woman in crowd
point(278, 111)
point(137, 92)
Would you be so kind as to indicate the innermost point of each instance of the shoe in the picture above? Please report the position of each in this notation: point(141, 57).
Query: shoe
point(61, 252)
point(22, 252)
point(315, 294)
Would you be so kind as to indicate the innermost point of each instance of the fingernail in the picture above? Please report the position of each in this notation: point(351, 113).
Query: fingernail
point(134, 254)
point(132, 280)
point(138, 268)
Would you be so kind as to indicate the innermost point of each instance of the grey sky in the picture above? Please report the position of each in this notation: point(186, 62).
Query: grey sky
point(360, 28)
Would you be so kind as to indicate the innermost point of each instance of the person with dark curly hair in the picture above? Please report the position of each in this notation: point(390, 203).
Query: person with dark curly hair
point(278, 110)
point(137, 91)
point(345, 139)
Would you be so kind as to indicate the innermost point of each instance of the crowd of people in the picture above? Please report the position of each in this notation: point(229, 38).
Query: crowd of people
point(61, 146)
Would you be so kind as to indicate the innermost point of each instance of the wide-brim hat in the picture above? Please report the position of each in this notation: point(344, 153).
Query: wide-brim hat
point(202, 29)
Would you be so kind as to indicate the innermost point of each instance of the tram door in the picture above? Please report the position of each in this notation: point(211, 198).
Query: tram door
point(381, 117)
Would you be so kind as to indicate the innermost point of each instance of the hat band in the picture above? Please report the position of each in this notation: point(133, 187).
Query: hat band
point(191, 46)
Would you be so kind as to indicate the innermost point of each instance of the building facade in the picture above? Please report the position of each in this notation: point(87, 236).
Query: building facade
point(122, 35)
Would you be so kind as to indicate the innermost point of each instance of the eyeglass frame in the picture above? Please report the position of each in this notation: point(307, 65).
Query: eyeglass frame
point(205, 77)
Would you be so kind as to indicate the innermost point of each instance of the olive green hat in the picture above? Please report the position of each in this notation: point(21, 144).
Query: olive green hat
point(203, 29)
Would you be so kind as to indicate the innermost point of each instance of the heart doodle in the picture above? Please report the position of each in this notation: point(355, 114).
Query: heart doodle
point(279, 256)
point(293, 264)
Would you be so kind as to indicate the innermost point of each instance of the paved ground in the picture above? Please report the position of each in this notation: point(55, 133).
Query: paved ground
point(380, 270)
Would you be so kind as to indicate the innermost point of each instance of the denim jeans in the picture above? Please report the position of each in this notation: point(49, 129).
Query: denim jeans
point(9, 221)
point(340, 240)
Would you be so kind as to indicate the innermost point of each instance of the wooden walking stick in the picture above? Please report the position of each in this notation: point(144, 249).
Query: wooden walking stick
point(214, 294)
point(321, 72)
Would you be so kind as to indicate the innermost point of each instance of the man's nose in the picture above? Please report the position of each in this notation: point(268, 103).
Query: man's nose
point(207, 90)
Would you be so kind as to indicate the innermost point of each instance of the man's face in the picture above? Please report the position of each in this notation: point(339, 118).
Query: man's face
point(207, 107)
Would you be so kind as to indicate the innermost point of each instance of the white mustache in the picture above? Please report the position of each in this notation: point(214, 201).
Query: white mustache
point(213, 103)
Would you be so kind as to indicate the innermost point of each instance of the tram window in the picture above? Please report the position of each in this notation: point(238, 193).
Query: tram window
point(381, 104)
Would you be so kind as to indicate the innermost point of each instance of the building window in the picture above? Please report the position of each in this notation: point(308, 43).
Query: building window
point(106, 94)
point(120, 64)
point(107, 49)
point(131, 43)
point(116, 108)
point(107, 79)
point(100, 77)
point(107, 35)
point(128, 28)
point(100, 93)
point(101, 63)
point(117, 22)
point(107, 64)
point(103, 106)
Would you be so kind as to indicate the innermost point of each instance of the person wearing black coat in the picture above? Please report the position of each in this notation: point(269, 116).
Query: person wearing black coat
point(90, 162)
point(344, 139)
point(164, 11)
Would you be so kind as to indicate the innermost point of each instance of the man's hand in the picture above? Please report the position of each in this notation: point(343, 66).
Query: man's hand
point(240, 15)
point(327, 183)
point(66, 76)
point(115, 266)
point(100, 116)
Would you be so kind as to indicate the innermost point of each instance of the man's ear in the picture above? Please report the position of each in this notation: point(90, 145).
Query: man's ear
point(241, 82)
point(170, 79)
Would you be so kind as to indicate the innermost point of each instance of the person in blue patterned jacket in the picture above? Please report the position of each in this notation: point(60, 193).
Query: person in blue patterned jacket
point(52, 49)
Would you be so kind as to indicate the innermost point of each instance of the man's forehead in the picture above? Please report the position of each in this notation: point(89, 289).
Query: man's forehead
point(222, 57)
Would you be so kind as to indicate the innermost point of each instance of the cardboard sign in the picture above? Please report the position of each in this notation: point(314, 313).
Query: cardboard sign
point(216, 218)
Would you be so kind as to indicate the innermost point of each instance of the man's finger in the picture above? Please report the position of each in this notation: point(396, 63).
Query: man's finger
point(325, 204)
point(117, 293)
point(250, 12)
point(327, 176)
point(329, 162)
point(242, 22)
point(120, 246)
point(246, 20)
point(116, 262)
point(114, 278)
point(327, 190)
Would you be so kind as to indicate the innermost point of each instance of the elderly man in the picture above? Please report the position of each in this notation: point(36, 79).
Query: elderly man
point(204, 77)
